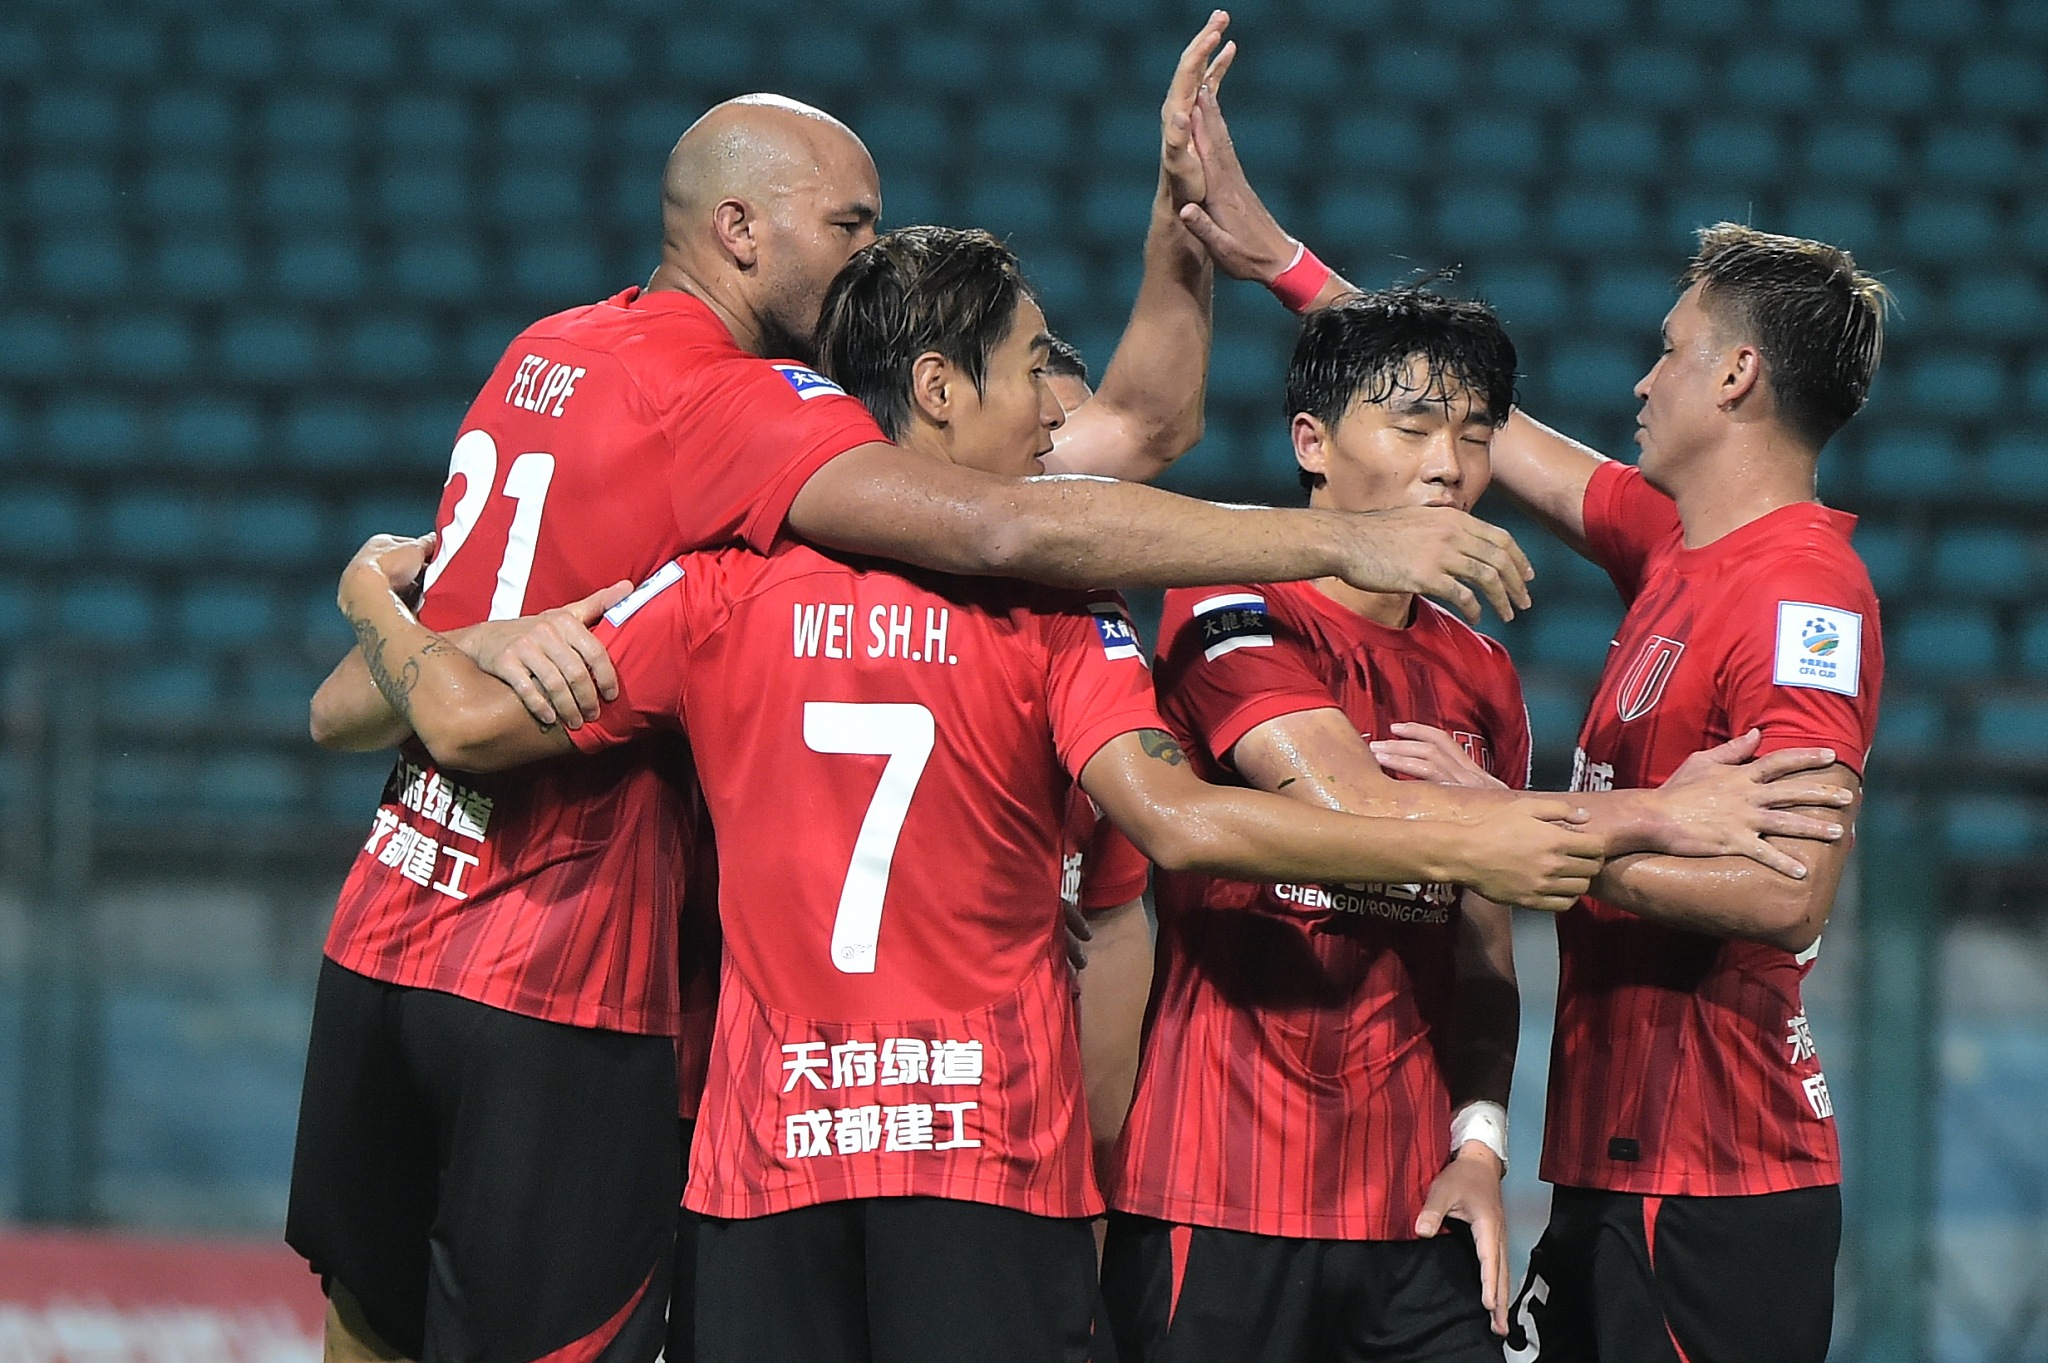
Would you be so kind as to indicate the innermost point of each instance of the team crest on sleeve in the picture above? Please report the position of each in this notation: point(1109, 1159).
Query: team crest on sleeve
point(1232, 621)
point(1119, 635)
point(1642, 686)
point(664, 577)
point(1820, 647)
point(808, 382)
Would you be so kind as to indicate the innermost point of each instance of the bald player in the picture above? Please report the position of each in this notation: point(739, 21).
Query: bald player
point(487, 1161)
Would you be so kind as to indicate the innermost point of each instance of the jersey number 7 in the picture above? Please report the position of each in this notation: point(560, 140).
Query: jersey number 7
point(905, 735)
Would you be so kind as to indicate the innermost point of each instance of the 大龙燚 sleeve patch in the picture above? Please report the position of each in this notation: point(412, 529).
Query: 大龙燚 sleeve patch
point(808, 382)
point(665, 576)
point(1819, 647)
point(1232, 621)
point(1119, 635)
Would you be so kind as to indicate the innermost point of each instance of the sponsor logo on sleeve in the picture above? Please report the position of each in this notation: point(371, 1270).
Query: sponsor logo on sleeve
point(1232, 621)
point(808, 382)
point(664, 577)
point(1642, 686)
point(1119, 636)
point(1819, 647)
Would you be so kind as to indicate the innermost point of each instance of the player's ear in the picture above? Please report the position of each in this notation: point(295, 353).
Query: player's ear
point(1311, 444)
point(931, 381)
point(735, 225)
point(1743, 372)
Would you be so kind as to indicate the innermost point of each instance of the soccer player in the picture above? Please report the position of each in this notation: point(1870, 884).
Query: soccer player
point(533, 917)
point(892, 1155)
point(1690, 1134)
point(1292, 1150)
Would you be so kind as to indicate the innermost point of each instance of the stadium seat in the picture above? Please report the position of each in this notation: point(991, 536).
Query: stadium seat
point(226, 611)
point(106, 609)
point(1605, 147)
point(1891, 79)
point(423, 438)
point(1597, 220)
point(385, 513)
point(155, 528)
point(1496, 144)
point(1706, 18)
point(200, 268)
point(2033, 644)
point(261, 785)
point(93, 431)
point(144, 346)
point(216, 432)
point(1016, 202)
point(1935, 18)
point(1073, 65)
point(1989, 827)
point(559, 130)
point(1593, 376)
point(1741, 151)
point(1530, 298)
point(590, 56)
point(415, 191)
point(1571, 636)
point(427, 124)
point(62, 192)
point(20, 609)
point(555, 274)
point(1280, 70)
point(294, 194)
point(335, 433)
point(197, 192)
point(1350, 16)
point(476, 53)
point(272, 347)
point(201, 121)
point(1418, 73)
point(165, 691)
point(45, 524)
point(119, 47)
point(1655, 78)
point(821, 61)
point(1480, 218)
point(87, 264)
point(1380, 138)
point(1912, 463)
point(308, 124)
point(1036, 136)
point(441, 268)
point(277, 530)
point(1274, 139)
point(1248, 368)
point(241, 49)
point(1853, 153)
point(1631, 301)
point(1060, 278)
point(1912, 724)
point(1984, 562)
point(2003, 82)
point(1780, 80)
point(2013, 728)
point(1952, 642)
point(74, 118)
point(1889, 552)
point(37, 345)
point(2006, 305)
point(1536, 74)
point(1848, 218)
point(710, 57)
point(392, 348)
point(1359, 218)
point(911, 133)
point(351, 48)
point(544, 195)
point(2016, 469)
point(1939, 381)
point(1983, 156)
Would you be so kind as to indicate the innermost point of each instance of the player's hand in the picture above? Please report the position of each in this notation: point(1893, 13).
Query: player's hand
point(1079, 934)
point(1201, 64)
point(1720, 803)
point(1233, 224)
point(1427, 753)
point(1468, 1189)
point(1441, 552)
point(557, 667)
point(399, 559)
point(1534, 853)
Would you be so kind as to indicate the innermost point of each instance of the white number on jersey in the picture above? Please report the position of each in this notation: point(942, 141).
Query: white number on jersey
point(905, 734)
point(1537, 1292)
point(476, 462)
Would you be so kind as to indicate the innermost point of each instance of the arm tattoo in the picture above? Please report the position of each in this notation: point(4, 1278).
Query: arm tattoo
point(1160, 744)
point(396, 689)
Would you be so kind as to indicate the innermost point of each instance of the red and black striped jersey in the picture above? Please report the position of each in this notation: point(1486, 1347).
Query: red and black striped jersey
point(1289, 1083)
point(609, 439)
point(1682, 1064)
point(888, 759)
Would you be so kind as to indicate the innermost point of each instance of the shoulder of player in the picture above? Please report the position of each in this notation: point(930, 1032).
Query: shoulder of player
point(1461, 645)
point(1808, 556)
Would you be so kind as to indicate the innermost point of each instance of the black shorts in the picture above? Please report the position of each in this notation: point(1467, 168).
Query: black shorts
point(895, 1280)
point(487, 1186)
point(1196, 1294)
point(682, 1293)
point(1624, 1278)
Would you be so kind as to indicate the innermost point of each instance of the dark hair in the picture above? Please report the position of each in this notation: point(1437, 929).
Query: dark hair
point(1066, 360)
point(916, 289)
point(1358, 349)
point(1817, 320)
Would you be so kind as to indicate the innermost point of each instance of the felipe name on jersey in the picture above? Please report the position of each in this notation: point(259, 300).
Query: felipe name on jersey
point(827, 629)
point(544, 386)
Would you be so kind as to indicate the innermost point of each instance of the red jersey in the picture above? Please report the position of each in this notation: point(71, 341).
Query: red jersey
point(888, 760)
point(1289, 1083)
point(609, 439)
point(1100, 868)
point(1682, 1063)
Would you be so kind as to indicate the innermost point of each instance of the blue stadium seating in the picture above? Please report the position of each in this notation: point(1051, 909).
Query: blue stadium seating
point(2013, 727)
point(322, 268)
point(348, 48)
point(226, 612)
point(144, 346)
point(390, 348)
point(1912, 462)
point(58, 192)
point(1782, 80)
point(221, 433)
point(88, 264)
point(20, 609)
point(1655, 78)
point(303, 124)
point(201, 267)
point(1533, 296)
point(1912, 724)
point(97, 431)
point(1597, 220)
point(1417, 73)
point(108, 610)
point(1571, 635)
point(1932, 643)
point(442, 268)
point(1497, 144)
point(74, 118)
point(477, 53)
point(1892, 557)
point(1980, 155)
point(1990, 827)
point(2004, 305)
point(2016, 469)
point(1593, 376)
point(37, 345)
point(1986, 562)
point(155, 528)
point(1740, 151)
point(241, 49)
point(272, 347)
point(1938, 381)
point(1603, 147)
point(44, 523)
point(127, 47)
point(165, 691)
point(1853, 153)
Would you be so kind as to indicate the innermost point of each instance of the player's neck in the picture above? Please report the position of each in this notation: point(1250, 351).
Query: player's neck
point(1391, 609)
point(1741, 480)
point(673, 275)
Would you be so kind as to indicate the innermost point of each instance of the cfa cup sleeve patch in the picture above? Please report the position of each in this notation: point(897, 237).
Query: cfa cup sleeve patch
point(1819, 647)
point(1232, 621)
point(808, 382)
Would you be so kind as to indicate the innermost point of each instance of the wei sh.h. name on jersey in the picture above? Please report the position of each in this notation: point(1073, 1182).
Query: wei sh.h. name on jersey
point(609, 439)
point(1289, 1083)
point(888, 761)
point(1682, 1063)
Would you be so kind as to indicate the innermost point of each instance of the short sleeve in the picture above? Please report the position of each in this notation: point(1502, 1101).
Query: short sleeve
point(744, 453)
point(1805, 661)
point(1114, 871)
point(1097, 686)
point(644, 636)
point(1625, 519)
point(1227, 664)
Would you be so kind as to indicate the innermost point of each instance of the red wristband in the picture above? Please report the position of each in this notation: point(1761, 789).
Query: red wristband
point(1298, 284)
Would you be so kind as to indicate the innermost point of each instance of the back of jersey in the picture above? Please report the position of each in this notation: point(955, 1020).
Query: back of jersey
point(549, 891)
point(887, 762)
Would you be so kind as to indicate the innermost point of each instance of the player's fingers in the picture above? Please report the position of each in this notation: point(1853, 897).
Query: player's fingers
point(1776, 859)
point(557, 640)
point(1459, 598)
point(598, 663)
point(1212, 79)
point(1432, 1218)
point(1194, 60)
point(548, 676)
point(1076, 957)
point(591, 608)
point(530, 695)
point(1499, 590)
point(1786, 761)
point(1810, 793)
point(1736, 750)
point(1419, 765)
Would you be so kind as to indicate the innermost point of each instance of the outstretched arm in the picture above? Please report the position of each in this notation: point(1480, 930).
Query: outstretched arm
point(1114, 988)
point(1546, 472)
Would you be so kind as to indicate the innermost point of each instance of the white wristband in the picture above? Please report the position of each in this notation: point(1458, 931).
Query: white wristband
point(1484, 1122)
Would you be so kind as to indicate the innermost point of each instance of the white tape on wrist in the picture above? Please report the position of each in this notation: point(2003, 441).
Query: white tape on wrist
point(1484, 1122)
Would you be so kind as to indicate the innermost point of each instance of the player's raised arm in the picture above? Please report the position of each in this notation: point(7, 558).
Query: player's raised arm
point(1547, 472)
point(468, 719)
point(1148, 410)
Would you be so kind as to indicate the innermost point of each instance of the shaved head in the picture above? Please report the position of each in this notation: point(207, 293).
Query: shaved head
point(762, 201)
